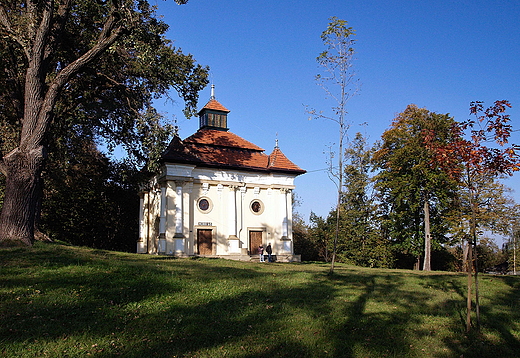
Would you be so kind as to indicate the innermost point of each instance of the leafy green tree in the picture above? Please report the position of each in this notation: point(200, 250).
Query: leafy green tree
point(361, 240)
point(415, 192)
point(321, 232)
point(302, 242)
point(90, 66)
point(340, 83)
point(494, 207)
point(88, 199)
point(489, 253)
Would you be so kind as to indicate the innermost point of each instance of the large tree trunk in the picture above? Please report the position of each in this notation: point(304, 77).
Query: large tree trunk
point(23, 171)
point(22, 167)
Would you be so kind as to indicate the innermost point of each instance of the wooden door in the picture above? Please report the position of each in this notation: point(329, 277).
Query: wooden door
point(255, 240)
point(204, 241)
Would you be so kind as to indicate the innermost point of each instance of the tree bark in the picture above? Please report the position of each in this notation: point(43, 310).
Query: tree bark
point(465, 248)
point(23, 166)
point(427, 238)
point(469, 269)
point(474, 209)
point(417, 263)
point(23, 171)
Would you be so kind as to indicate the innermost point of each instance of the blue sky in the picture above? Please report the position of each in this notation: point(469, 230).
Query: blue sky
point(440, 55)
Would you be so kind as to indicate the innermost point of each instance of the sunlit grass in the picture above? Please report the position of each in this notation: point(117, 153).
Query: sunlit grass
point(60, 301)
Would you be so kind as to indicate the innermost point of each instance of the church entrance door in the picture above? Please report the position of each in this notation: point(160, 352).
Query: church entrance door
point(255, 240)
point(204, 242)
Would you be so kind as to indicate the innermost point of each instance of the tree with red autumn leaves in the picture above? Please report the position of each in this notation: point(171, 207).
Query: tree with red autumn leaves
point(479, 147)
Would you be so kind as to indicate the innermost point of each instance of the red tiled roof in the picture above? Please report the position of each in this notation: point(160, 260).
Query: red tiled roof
point(230, 157)
point(218, 138)
point(215, 105)
point(178, 152)
point(214, 148)
point(278, 160)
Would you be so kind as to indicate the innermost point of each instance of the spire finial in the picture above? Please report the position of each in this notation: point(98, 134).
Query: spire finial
point(175, 127)
point(212, 91)
point(276, 141)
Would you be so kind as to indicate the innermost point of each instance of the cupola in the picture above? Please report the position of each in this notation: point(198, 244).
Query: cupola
point(213, 115)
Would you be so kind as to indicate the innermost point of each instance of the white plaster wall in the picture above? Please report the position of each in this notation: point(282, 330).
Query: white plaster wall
point(150, 223)
point(170, 217)
point(211, 219)
point(177, 170)
point(241, 177)
point(192, 178)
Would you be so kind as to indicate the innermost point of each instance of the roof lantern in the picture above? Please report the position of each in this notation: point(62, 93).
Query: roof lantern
point(213, 115)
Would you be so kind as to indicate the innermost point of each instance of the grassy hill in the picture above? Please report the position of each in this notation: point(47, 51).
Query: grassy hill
point(62, 301)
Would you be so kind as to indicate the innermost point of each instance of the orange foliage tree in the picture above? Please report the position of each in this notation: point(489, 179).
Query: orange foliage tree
point(480, 146)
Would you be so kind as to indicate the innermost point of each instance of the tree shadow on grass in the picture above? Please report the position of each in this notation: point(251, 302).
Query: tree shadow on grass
point(499, 333)
point(111, 305)
point(331, 327)
point(56, 294)
point(369, 331)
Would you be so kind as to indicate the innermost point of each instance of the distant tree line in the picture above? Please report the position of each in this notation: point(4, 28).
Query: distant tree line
point(402, 208)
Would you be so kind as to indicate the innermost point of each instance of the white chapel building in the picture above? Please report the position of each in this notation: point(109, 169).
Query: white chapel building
point(218, 195)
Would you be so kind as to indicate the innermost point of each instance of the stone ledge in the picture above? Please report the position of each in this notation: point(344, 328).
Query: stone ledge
point(249, 258)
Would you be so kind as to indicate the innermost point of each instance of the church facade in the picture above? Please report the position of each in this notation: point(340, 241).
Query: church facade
point(218, 195)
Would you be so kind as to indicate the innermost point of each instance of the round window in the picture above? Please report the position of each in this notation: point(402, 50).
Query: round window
point(257, 207)
point(204, 205)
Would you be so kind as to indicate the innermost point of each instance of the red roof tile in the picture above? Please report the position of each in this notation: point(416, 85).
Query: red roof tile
point(278, 160)
point(215, 105)
point(224, 149)
point(230, 157)
point(178, 152)
point(220, 138)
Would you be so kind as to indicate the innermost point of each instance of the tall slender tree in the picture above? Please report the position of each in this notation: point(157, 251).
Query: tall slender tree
point(97, 64)
point(340, 84)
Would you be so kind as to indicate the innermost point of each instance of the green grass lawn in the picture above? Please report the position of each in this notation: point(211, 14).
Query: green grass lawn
point(62, 301)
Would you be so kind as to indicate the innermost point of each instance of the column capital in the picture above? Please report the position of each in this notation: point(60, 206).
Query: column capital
point(179, 183)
